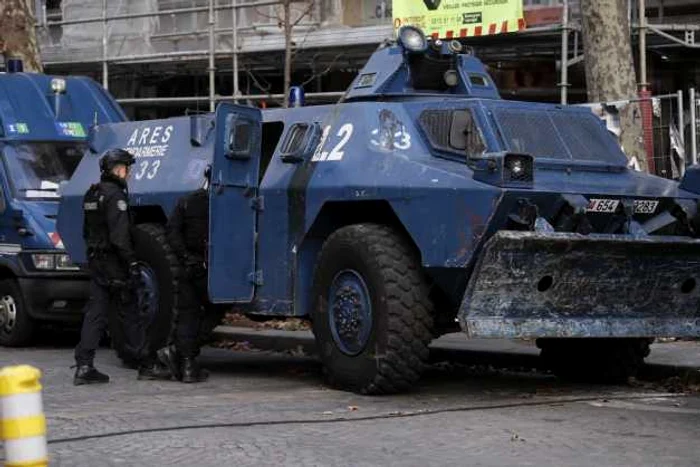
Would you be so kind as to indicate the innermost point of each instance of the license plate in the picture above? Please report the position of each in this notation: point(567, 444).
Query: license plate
point(645, 206)
point(603, 205)
point(641, 206)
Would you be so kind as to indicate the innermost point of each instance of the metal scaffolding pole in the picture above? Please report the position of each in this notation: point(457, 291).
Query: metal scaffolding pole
point(160, 13)
point(212, 68)
point(642, 46)
point(234, 46)
point(105, 69)
point(693, 128)
point(681, 125)
point(565, 53)
point(252, 97)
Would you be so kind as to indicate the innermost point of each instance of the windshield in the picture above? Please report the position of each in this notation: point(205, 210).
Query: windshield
point(558, 135)
point(37, 169)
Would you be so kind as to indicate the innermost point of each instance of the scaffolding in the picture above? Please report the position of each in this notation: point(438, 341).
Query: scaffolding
point(193, 33)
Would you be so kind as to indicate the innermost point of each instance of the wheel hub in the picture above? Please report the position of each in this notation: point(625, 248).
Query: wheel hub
point(8, 313)
point(350, 312)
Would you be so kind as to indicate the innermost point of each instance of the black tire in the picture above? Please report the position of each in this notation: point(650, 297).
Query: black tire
point(594, 360)
point(17, 327)
point(152, 250)
point(396, 350)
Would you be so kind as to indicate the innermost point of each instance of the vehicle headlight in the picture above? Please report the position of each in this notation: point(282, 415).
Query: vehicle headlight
point(44, 261)
point(58, 85)
point(53, 261)
point(64, 263)
point(412, 39)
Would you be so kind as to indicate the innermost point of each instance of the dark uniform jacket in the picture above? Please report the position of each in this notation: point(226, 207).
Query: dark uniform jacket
point(106, 225)
point(188, 230)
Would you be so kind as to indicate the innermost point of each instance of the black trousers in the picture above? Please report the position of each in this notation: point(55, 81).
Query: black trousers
point(196, 316)
point(111, 293)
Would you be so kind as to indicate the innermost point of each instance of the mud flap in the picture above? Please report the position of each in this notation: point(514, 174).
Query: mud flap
point(535, 284)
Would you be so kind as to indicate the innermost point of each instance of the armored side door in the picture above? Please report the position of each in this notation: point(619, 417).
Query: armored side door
point(233, 204)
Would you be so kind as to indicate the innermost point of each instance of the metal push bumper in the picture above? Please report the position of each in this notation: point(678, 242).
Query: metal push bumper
point(547, 284)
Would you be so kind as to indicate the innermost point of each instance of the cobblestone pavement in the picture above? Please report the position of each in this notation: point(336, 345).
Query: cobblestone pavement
point(268, 409)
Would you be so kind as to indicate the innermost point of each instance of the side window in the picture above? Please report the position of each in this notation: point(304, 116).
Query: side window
point(465, 134)
point(295, 138)
point(299, 143)
point(239, 138)
point(454, 131)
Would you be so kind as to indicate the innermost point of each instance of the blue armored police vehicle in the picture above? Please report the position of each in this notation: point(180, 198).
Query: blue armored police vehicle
point(420, 204)
point(44, 122)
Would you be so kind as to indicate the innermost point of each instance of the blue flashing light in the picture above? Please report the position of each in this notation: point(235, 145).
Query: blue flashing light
point(14, 65)
point(296, 96)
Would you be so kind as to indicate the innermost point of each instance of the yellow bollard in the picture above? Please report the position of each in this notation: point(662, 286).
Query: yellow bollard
point(22, 421)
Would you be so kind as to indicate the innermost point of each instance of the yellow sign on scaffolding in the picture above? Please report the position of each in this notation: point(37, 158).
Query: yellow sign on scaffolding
point(448, 19)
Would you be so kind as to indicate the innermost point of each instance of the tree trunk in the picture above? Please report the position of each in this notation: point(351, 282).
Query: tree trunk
point(18, 37)
point(610, 72)
point(287, 50)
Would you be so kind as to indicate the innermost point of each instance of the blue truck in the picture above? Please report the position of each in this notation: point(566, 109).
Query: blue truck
point(44, 123)
point(420, 204)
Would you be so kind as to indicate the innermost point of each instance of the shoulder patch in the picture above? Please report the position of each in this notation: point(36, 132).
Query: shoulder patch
point(121, 205)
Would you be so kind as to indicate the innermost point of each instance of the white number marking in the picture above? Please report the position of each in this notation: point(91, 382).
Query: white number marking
point(147, 168)
point(154, 170)
point(345, 133)
point(318, 154)
point(337, 153)
point(143, 165)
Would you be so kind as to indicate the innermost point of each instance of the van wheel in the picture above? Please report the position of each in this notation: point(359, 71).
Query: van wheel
point(155, 296)
point(16, 326)
point(372, 318)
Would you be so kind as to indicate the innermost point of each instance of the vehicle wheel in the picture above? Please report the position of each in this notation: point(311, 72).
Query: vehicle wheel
point(597, 360)
point(371, 316)
point(155, 297)
point(16, 326)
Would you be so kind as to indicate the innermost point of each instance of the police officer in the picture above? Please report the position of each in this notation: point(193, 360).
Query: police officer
point(188, 234)
point(114, 271)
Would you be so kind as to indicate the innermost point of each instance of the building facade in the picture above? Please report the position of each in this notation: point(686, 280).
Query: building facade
point(159, 57)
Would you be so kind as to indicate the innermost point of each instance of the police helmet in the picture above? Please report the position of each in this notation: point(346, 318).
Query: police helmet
point(115, 157)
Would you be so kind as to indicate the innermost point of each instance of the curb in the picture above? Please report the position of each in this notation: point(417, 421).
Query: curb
point(523, 357)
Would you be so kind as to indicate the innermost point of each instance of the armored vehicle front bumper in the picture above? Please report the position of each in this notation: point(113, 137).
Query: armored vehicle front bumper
point(552, 284)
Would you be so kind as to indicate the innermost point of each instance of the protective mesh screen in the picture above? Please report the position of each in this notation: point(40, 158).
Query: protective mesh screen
point(585, 137)
point(557, 135)
point(531, 132)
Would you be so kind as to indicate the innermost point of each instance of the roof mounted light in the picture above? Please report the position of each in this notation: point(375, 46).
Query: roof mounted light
point(58, 85)
point(412, 39)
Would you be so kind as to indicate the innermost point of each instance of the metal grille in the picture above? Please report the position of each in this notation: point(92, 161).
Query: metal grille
point(530, 132)
point(437, 124)
point(557, 135)
point(584, 138)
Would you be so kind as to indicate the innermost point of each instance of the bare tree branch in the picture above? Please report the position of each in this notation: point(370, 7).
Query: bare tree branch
point(306, 12)
point(325, 71)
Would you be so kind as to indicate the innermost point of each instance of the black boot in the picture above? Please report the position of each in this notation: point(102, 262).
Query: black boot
point(191, 373)
point(154, 371)
point(169, 357)
point(87, 374)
